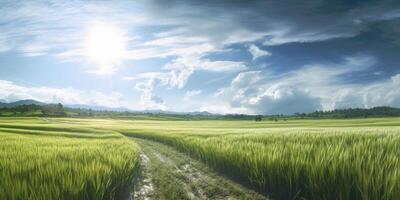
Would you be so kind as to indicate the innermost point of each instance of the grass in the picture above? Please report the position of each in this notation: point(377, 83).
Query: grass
point(313, 159)
point(51, 160)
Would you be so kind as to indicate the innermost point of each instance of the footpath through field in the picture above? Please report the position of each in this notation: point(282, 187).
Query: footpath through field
point(169, 174)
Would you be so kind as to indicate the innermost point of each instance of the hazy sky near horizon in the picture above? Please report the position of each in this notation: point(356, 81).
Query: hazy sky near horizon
point(254, 56)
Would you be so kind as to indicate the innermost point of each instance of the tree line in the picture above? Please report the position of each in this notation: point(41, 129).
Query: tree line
point(383, 111)
point(47, 110)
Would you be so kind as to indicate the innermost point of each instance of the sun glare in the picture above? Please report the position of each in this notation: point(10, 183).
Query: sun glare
point(104, 46)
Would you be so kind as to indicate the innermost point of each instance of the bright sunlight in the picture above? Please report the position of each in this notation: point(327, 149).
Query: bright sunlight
point(104, 46)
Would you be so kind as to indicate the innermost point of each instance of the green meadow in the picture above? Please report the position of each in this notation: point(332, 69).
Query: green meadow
point(60, 158)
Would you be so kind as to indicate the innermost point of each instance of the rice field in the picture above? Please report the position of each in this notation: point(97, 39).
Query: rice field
point(314, 159)
point(42, 159)
point(294, 159)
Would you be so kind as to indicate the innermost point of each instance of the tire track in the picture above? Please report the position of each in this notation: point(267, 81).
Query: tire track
point(169, 174)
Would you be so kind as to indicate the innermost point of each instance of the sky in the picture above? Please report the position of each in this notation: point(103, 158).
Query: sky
point(236, 56)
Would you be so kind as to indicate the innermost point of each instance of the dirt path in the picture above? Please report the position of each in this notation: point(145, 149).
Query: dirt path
point(169, 174)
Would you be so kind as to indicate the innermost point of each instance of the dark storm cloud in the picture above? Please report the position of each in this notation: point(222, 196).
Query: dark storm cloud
point(379, 39)
point(276, 22)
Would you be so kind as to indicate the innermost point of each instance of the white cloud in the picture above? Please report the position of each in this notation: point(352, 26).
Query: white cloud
point(257, 52)
point(34, 49)
point(180, 77)
point(175, 41)
point(245, 79)
point(161, 76)
point(177, 73)
point(382, 93)
point(191, 93)
point(176, 76)
point(223, 108)
point(309, 88)
point(287, 36)
point(10, 91)
point(148, 99)
point(182, 68)
point(282, 99)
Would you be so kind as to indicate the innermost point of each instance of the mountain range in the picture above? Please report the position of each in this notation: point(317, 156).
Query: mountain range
point(4, 104)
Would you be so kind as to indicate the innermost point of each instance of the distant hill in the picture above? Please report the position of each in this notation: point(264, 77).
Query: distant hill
point(122, 109)
point(98, 108)
point(95, 108)
point(195, 113)
point(20, 103)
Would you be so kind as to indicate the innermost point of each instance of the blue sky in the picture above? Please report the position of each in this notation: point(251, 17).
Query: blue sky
point(267, 57)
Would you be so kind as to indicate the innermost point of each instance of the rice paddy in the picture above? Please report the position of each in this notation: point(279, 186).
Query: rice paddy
point(315, 161)
point(294, 159)
point(50, 160)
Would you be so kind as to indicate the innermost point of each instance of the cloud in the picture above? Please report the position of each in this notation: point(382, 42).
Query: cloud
point(282, 100)
point(148, 99)
point(182, 68)
point(179, 77)
point(310, 88)
point(34, 49)
point(222, 108)
point(382, 93)
point(245, 79)
point(191, 93)
point(10, 91)
point(248, 92)
point(275, 23)
point(257, 52)
point(177, 72)
point(58, 28)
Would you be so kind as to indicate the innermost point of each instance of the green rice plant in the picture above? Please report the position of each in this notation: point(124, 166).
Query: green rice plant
point(316, 161)
point(294, 159)
point(63, 161)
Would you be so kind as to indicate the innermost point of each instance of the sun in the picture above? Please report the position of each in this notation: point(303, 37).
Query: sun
point(104, 46)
